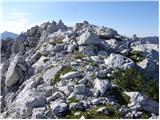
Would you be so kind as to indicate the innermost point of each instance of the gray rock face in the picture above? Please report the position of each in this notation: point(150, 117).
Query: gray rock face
point(101, 87)
point(59, 107)
point(118, 61)
point(139, 101)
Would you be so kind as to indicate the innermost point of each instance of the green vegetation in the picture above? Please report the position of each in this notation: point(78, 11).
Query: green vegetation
point(63, 71)
point(131, 80)
point(93, 64)
point(112, 113)
point(93, 114)
point(56, 41)
point(118, 94)
point(136, 56)
point(73, 100)
point(93, 76)
point(144, 115)
point(78, 55)
point(71, 115)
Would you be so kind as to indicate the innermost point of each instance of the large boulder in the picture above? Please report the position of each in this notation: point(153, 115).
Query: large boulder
point(118, 61)
point(89, 38)
point(101, 87)
point(59, 107)
point(139, 101)
point(12, 75)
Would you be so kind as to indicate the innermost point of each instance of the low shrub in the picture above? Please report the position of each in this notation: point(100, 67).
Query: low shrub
point(136, 56)
point(118, 94)
point(131, 80)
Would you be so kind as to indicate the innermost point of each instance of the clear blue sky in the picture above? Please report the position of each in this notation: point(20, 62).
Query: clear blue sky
point(127, 18)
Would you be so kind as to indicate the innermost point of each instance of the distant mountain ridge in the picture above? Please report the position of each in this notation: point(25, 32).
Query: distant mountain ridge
point(7, 34)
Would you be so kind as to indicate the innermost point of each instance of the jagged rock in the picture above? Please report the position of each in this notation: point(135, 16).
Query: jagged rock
point(96, 59)
point(34, 58)
point(61, 25)
point(66, 90)
point(71, 48)
point(59, 107)
point(12, 75)
point(118, 61)
point(86, 50)
point(55, 96)
point(80, 89)
point(76, 106)
point(38, 113)
point(106, 32)
point(71, 75)
point(43, 26)
point(52, 28)
point(89, 38)
point(45, 50)
point(138, 101)
point(101, 87)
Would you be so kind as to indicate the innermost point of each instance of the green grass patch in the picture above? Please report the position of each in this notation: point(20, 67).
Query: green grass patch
point(112, 113)
point(78, 55)
point(63, 71)
point(94, 64)
point(56, 41)
point(93, 114)
point(93, 76)
point(73, 100)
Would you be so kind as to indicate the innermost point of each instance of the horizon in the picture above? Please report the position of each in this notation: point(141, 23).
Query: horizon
point(128, 18)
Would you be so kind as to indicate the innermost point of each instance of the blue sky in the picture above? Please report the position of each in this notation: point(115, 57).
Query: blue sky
point(127, 18)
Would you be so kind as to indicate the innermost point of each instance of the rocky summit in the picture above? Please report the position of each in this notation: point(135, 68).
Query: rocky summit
point(85, 71)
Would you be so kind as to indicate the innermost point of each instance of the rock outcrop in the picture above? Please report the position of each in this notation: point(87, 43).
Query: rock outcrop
point(53, 71)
